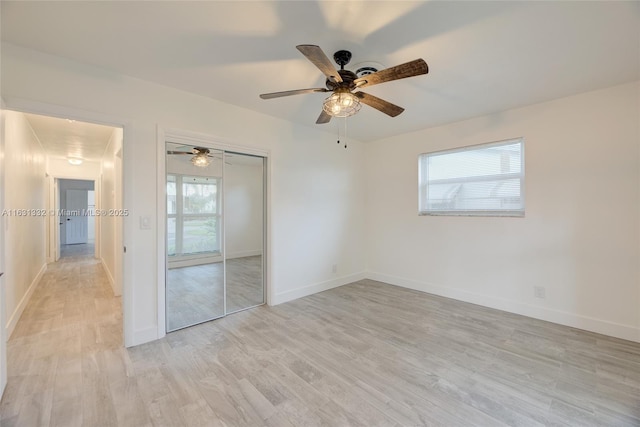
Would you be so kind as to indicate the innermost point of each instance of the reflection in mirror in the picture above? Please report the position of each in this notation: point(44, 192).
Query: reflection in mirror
point(244, 230)
point(195, 272)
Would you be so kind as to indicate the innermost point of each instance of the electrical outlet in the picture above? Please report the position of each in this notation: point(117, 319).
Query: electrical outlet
point(539, 292)
point(334, 269)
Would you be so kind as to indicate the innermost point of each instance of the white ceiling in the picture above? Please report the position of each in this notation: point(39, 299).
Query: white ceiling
point(63, 138)
point(484, 57)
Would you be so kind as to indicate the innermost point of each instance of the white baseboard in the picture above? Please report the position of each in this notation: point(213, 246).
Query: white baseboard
point(600, 326)
point(315, 288)
point(190, 262)
point(142, 336)
point(112, 282)
point(15, 316)
point(243, 254)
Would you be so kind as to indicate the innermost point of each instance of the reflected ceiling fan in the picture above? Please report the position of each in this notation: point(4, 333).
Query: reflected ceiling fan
point(201, 156)
point(343, 102)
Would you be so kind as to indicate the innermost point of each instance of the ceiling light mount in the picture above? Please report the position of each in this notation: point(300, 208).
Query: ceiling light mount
point(342, 58)
point(74, 160)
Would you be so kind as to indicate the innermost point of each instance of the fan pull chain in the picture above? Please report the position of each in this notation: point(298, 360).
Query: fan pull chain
point(345, 132)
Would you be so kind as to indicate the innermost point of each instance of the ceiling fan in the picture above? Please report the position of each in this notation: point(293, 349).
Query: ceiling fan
point(201, 156)
point(343, 102)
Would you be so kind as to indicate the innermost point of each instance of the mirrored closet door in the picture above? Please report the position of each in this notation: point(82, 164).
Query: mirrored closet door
point(244, 235)
point(215, 234)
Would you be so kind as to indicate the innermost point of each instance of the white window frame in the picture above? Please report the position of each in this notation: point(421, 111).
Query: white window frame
point(423, 184)
point(180, 216)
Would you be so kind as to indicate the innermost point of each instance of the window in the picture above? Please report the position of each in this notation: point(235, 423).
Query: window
point(192, 215)
point(482, 180)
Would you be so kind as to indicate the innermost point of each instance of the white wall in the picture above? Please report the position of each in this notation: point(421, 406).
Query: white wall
point(61, 168)
point(3, 311)
point(25, 238)
point(244, 204)
point(578, 239)
point(111, 200)
point(72, 184)
point(316, 187)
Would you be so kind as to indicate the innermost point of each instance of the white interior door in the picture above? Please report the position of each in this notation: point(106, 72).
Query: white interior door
point(76, 221)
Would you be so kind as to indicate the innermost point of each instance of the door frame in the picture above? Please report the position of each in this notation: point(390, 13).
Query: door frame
point(35, 107)
point(216, 143)
point(54, 228)
point(3, 224)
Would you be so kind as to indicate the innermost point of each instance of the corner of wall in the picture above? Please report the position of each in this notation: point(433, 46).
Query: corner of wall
point(112, 282)
point(304, 291)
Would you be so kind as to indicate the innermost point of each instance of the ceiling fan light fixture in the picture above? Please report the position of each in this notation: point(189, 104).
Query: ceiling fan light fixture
point(201, 160)
point(341, 103)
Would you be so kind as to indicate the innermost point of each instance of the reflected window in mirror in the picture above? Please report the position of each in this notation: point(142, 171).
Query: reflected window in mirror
point(193, 215)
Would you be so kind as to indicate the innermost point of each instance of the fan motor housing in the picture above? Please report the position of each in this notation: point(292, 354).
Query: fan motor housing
point(347, 81)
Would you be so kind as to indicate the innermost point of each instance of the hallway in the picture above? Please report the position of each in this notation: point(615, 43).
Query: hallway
point(70, 331)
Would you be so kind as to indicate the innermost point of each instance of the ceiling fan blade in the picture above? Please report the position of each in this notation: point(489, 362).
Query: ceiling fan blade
point(323, 118)
point(292, 92)
point(320, 60)
point(179, 152)
point(402, 71)
point(379, 104)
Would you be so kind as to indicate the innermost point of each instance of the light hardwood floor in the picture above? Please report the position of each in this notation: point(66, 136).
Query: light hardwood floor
point(365, 354)
point(196, 294)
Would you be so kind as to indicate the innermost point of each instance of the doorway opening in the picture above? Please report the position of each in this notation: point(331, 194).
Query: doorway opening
point(77, 225)
point(66, 176)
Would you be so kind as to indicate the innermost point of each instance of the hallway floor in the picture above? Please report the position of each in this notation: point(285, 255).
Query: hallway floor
point(68, 337)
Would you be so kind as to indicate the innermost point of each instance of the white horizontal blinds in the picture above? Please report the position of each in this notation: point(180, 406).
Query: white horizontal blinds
point(480, 180)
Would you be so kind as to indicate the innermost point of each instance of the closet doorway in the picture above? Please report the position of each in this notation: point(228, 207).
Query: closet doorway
point(215, 233)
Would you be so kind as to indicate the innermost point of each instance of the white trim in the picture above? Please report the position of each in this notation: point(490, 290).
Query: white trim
point(141, 336)
point(573, 320)
point(210, 141)
point(474, 146)
point(190, 262)
point(304, 291)
point(3, 309)
point(267, 244)
point(161, 230)
point(112, 282)
point(223, 232)
point(15, 316)
point(243, 254)
point(36, 107)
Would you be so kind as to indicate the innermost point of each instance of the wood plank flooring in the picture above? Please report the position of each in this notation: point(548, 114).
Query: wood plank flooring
point(196, 294)
point(366, 354)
